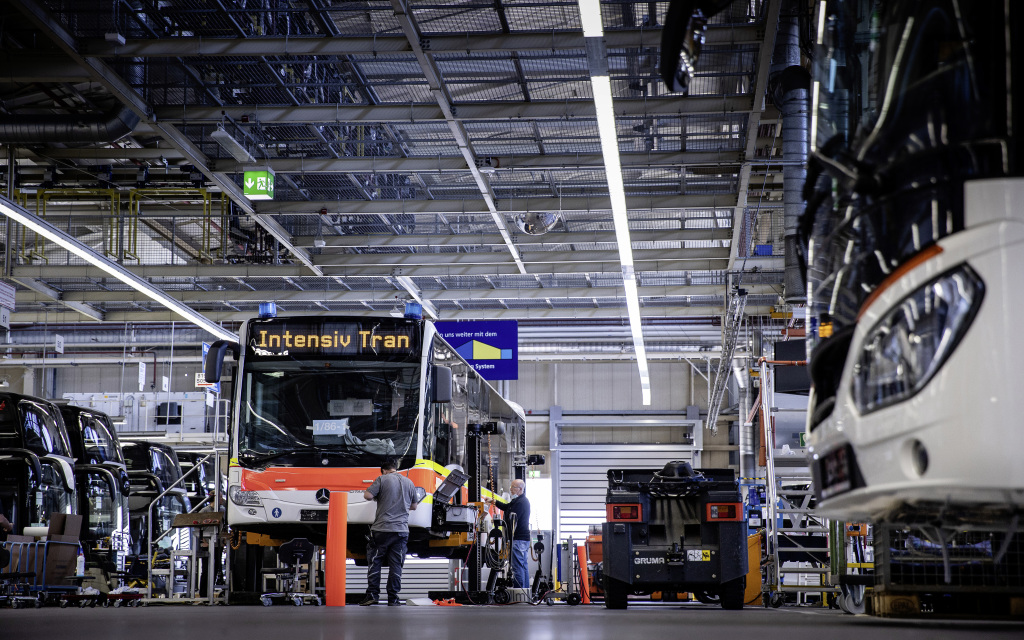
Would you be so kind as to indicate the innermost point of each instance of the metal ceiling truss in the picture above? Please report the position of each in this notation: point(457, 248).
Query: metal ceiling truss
point(409, 137)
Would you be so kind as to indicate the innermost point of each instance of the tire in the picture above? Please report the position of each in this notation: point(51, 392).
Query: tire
point(731, 593)
point(777, 600)
point(574, 599)
point(266, 602)
point(615, 596)
point(501, 596)
point(297, 600)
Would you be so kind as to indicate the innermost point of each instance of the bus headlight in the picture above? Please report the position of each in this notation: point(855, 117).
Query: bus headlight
point(244, 498)
point(905, 349)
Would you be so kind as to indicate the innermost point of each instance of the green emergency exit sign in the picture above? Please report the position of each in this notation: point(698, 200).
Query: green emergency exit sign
point(259, 185)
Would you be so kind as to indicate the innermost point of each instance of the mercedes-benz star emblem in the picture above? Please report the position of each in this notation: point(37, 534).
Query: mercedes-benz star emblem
point(323, 496)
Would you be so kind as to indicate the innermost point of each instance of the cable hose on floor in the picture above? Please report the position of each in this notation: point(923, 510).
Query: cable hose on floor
point(499, 541)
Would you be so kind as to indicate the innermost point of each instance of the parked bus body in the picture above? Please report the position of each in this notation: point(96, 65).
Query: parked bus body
point(102, 482)
point(321, 402)
point(36, 465)
point(916, 260)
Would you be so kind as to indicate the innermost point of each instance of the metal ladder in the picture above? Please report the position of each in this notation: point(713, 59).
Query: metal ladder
point(733, 322)
point(789, 497)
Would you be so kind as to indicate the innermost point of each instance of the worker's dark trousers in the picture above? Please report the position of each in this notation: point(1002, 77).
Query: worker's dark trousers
point(390, 545)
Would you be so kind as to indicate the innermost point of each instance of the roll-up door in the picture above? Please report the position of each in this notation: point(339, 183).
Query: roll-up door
point(419, 575)
point(582, 480)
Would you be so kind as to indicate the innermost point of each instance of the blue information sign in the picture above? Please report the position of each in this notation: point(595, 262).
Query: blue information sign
point(491, 346)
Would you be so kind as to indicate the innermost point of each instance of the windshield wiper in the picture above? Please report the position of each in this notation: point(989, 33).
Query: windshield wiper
point(259, 459)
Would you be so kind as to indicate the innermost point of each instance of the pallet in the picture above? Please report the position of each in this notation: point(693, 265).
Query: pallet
point(945, 605)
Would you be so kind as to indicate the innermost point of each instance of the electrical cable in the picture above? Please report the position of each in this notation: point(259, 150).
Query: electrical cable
point(499, 541)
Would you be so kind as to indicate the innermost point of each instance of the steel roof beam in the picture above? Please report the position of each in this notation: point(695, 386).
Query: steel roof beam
point(533, 257)
point(360, 113)
point(49, 294)
point(433, 76)
point(127, 95)
point(184, 47)
point(471, 314)
point(433, 165)
point(46, 272)
point(339, 295)
point(517, 205)
point(479, 239)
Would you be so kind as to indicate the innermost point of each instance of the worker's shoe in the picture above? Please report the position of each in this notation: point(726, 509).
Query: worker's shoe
point(367, 601)
point(395, 603)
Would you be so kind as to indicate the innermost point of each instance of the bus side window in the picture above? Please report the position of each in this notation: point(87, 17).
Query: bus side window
point(443, 446)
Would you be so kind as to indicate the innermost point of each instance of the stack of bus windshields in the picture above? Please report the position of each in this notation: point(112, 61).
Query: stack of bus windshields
point(903, 113)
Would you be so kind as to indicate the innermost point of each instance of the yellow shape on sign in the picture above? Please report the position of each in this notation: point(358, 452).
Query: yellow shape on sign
point(483, 351)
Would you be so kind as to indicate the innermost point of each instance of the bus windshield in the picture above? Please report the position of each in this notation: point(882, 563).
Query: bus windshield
point(99, 440)
point(908, 104)
point(328, 413)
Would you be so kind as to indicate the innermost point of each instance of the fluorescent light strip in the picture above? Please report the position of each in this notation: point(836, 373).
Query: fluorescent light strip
point(55, 235)
point(590, 18)
point(601, 87)
point(821, 22)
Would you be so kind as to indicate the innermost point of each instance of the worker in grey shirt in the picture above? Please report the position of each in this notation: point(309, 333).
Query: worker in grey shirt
point(389, 534)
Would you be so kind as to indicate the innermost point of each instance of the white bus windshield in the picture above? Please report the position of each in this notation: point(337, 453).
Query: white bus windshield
point(328, 413)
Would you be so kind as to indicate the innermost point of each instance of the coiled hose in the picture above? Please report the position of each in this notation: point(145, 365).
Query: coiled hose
point(496, 551)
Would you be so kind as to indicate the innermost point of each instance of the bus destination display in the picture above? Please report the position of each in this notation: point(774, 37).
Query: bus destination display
point(314, 338)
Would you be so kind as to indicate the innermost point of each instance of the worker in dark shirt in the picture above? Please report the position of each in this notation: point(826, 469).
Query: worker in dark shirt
point(517, 513)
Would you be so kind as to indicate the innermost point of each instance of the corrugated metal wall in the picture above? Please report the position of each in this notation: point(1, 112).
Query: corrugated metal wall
point(601, 386)
point(419, 575)
point(582, 478)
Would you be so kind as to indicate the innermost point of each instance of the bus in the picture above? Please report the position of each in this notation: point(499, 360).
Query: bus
point(37, 477)
point(321, 402)
point(915, 261)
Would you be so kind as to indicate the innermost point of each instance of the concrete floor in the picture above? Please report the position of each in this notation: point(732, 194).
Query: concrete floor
point(512, 622)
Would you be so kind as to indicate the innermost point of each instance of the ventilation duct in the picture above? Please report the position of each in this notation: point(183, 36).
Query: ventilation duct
point(790, 85)
point(104, 127)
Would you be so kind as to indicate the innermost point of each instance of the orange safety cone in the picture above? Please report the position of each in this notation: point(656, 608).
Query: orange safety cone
point(336, 550)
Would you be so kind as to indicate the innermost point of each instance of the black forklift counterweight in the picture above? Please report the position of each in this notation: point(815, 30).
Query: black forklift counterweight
point(674, 529)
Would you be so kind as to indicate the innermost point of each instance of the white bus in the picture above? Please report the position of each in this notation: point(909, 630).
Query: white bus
point(916, 260)
point(320, 402)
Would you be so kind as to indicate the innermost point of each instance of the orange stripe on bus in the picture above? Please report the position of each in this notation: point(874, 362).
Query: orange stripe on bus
point(311, 479)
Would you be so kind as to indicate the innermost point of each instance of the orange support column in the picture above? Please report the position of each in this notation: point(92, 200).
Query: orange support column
point(581, 554)
point(337, 545)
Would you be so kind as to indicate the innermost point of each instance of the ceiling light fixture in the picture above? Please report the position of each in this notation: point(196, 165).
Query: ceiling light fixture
point(590, 18)
point(232, 146)
point(55, 235)
point(601, 86)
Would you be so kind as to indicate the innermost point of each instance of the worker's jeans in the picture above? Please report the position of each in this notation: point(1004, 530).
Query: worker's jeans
point(521, 563)
point(389, 544)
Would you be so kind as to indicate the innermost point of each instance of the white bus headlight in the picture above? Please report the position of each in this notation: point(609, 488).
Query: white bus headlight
point(244, 498)
point(905, 349)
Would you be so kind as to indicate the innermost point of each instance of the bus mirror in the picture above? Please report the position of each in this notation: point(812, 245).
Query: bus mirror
point(215, 359)
point(442, 384)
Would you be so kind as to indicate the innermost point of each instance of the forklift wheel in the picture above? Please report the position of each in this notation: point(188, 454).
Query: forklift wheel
point(574, 599)
point(777, 600)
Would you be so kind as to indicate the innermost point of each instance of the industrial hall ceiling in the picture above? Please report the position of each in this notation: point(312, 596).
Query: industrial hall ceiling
point(446, 151)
